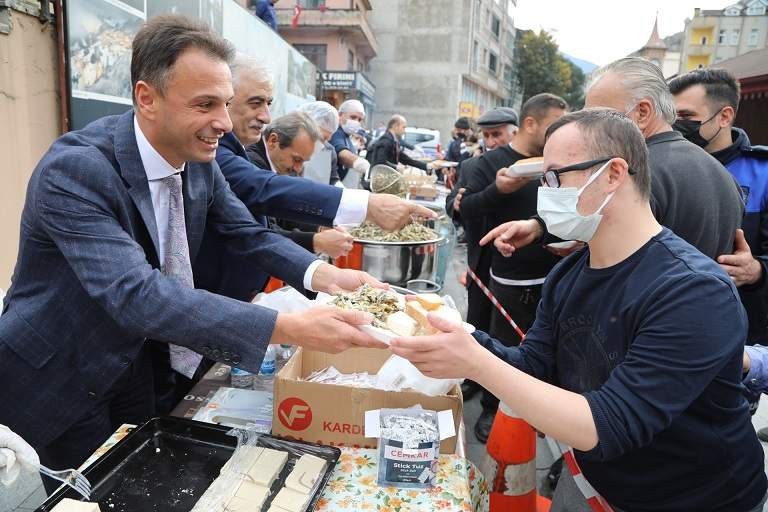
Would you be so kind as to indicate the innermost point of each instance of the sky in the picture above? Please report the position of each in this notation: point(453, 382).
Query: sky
point(601, 31)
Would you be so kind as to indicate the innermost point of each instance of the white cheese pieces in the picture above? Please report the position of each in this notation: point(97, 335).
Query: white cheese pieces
point(267, 467)
point(70, 505)
point(248, 497)
point(305, 474)
point(288, 500)
point(401, 324)
point(429, 301)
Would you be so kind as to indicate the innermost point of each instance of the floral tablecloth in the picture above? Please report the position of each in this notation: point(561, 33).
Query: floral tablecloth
point(352, 487)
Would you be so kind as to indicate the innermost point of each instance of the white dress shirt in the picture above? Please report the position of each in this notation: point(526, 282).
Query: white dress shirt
point(156, 168)
point(353, 206)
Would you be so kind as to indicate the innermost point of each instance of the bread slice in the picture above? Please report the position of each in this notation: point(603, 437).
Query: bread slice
point(449, 314)
point(415, 310)
point(430, 301)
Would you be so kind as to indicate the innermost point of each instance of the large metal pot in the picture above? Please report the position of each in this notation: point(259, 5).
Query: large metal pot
point(395, 263)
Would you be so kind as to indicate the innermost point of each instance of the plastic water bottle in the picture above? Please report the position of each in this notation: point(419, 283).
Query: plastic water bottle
point(285, 352)
point(269, 363)
point(241, 378)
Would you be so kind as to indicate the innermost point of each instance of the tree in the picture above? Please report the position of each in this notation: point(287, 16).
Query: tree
point(541, 68)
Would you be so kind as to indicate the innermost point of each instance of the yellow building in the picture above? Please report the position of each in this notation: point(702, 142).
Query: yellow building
point(712, 36)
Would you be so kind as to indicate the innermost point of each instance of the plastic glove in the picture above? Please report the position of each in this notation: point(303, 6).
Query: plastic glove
point(361, 166)
point(15, 453)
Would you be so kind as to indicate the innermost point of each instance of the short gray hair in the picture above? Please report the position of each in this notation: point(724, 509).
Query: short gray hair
point(243, 62)
point(642, 79)
point(289, 126)
point(610, 133)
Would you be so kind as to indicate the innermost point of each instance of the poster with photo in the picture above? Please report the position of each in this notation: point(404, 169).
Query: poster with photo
point(207, 11)
point(100, 36)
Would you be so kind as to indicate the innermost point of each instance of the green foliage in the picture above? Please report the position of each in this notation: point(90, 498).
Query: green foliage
point(541, 68)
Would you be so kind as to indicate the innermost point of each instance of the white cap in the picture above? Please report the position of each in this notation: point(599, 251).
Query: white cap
point(322, 113)
point(352, 106)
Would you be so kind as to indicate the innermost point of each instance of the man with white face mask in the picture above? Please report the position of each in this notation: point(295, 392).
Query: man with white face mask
point(351, 166)
point(619, 364)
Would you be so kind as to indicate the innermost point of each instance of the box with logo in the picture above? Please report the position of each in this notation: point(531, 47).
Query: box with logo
point(335, 415)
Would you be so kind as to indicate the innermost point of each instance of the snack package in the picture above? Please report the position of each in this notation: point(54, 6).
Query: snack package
point(409, 444)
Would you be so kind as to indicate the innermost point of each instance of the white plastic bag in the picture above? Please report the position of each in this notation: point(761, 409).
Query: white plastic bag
point(399, 373)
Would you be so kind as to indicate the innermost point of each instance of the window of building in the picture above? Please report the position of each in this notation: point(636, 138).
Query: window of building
point(721, 37)
point(756, 10)
point(752, 37)
point(311, 4)
point(350, 60)
point(493, 63)
point(496, 26)
point(475, 55)
point(703, 40)
point(734, 37)
point(317, 54)
point(733, 11)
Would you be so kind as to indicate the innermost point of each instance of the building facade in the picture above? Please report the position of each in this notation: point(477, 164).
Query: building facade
point(337, 37)
point(441, 59)
point(712, 36)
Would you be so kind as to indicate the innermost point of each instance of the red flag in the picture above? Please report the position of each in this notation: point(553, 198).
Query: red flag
point(296, 14)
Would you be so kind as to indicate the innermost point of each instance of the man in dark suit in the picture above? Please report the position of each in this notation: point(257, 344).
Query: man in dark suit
point(387, 149)
point(113, 222)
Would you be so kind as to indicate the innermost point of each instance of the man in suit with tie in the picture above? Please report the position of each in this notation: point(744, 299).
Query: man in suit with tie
point(112, 223)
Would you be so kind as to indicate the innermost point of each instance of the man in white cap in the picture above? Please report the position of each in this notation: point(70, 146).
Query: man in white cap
point(351, 119)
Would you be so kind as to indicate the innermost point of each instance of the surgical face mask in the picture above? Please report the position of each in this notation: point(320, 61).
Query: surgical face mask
point(690, 129)
point(351, 126)
point(557, 207)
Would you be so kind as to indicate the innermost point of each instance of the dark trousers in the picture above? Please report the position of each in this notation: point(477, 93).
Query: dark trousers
point(520, 302)
point(170, 387)
point(131, 400)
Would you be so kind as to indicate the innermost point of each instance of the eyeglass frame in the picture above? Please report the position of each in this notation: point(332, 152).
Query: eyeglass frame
point(582, 166)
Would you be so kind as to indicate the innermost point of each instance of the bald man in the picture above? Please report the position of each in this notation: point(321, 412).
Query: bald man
point(387, 149)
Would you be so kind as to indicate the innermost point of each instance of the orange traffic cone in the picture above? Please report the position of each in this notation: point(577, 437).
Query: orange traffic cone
point(511, 465)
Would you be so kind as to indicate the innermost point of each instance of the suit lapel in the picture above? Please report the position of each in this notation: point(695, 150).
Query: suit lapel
point(195, 204)
point(132, 170)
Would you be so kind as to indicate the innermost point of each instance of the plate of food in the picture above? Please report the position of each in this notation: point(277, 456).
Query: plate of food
point(393, 315)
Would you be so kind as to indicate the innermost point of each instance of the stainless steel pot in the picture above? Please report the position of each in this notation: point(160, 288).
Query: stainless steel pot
point(397, 263)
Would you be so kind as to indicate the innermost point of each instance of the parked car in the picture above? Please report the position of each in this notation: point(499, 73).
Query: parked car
point(426, 143)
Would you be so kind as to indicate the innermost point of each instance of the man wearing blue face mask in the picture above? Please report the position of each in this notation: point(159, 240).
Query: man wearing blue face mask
point(619, 364)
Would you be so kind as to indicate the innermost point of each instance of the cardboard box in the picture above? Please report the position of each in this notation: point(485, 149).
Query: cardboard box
point(335, 415)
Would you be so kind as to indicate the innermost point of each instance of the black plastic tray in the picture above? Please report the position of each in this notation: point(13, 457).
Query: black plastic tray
point(167, 464)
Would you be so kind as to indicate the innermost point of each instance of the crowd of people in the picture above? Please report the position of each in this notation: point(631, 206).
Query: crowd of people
point(634, 267)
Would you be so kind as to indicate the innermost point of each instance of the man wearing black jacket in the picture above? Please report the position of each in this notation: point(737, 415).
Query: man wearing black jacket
point(387, 148)
point(489, 193)
point(706, 101)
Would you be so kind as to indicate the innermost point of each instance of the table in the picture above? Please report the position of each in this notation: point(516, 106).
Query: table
point(352, 487)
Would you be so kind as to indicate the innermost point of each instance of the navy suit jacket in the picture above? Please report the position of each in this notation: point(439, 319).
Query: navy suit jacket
point(264, 193)
point(87, 291)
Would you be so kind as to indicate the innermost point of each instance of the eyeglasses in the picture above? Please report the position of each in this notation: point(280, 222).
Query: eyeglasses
point(551, 177)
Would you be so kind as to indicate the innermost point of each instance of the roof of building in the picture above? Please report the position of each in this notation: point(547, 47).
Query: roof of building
point(655, 41)
point(754, 63)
